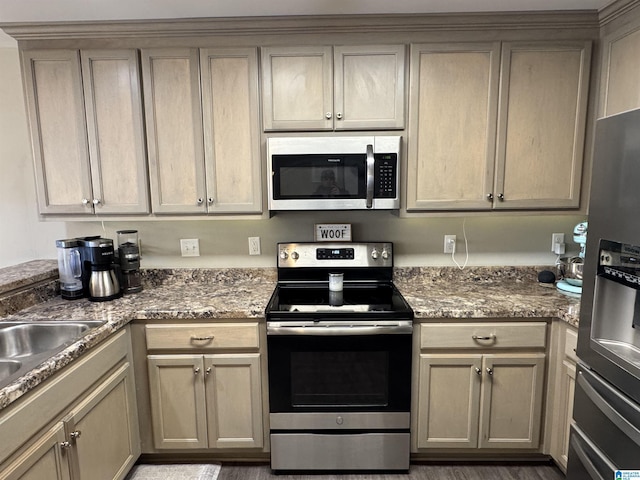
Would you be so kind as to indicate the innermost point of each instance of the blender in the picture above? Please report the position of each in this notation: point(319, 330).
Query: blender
point(70, 269)
point(129, 259)
point(570, 268)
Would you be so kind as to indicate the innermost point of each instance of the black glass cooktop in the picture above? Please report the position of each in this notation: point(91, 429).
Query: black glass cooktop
point(357, 299)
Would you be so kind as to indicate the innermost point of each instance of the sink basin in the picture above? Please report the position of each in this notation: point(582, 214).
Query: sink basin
point(24, 345)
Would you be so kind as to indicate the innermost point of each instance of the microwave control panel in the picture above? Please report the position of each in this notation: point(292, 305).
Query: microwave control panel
point(385, 175)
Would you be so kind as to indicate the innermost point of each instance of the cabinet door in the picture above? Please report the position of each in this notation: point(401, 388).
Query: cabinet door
point(115, 131)
point(541, 126)
point(448, 401)
point(103, 429)
point(234, 400)
point(567, 391)
point(173, 111)
point(621, 72)
point(297, 88)
point(53, 91)
point(369, 87)
point(453, 109)
point(511, 400)
point(231, 130)
point(44, 459)
point(178, 411)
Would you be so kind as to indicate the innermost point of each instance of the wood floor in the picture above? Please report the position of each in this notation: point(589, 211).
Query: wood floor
point(417, 472)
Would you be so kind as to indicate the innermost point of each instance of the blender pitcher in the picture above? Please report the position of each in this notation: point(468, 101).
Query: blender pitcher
point(69, 269)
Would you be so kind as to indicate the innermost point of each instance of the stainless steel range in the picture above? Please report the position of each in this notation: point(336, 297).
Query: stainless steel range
point(339, 359)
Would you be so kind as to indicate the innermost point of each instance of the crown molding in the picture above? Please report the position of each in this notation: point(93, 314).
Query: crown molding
point(322, 24)
point(616, 10)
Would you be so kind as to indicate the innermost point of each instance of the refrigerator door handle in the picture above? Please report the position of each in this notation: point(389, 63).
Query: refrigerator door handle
point(610, 412)
point(576, 440)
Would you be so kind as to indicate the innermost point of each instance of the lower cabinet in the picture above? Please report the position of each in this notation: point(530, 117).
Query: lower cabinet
point(563, 394)
point(479, 385)
point(204, 400)
point(96, 438)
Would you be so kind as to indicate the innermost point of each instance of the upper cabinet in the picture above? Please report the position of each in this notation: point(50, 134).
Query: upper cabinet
point(621, 71)
point(204, 149)
point(333, 88)
point(497, 129)
point(87, 131)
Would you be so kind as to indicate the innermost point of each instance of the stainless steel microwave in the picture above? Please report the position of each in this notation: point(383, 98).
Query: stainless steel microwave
point(334, 173)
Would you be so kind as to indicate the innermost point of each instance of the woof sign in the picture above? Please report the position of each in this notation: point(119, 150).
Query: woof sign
point(333, 232)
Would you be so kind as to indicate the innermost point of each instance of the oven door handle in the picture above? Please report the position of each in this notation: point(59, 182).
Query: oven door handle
point(323, 330)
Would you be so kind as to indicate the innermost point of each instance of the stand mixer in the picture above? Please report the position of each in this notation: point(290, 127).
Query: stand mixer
point(570, 268)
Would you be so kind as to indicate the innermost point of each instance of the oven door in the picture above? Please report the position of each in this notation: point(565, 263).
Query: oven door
point(339, 373)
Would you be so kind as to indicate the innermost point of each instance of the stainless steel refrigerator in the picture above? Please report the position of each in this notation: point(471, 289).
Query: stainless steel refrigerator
point(606, 435)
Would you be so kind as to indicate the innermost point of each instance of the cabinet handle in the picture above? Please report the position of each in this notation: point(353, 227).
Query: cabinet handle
point(208, 337)
point(210, 200)
point(196, 370)
point(328, 115)
point(85, 201)
point(65, 445)
point(339, 116)
point(484, 337)
point(200, 201)
point(478, 371)
point(501, 197)
point(489, 371)
point(207, 371)
point(96, 201)
point(490, 197)
point(75, 435)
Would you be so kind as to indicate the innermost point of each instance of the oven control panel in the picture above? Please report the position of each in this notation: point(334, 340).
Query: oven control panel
point(301, 255)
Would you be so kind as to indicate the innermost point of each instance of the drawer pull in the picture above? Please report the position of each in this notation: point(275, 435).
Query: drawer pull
point(484, 337)
point(209, 337)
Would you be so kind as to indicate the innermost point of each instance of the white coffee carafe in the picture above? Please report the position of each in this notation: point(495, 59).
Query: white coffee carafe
point(69, 269)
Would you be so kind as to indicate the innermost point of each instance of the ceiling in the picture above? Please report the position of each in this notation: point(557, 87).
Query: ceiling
point(78, 10)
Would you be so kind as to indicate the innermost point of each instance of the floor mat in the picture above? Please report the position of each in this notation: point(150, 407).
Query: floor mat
point(194, 471)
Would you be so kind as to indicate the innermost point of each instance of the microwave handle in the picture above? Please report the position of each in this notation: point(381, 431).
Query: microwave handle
point(370, 175)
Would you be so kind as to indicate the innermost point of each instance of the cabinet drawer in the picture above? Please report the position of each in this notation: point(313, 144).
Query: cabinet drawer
point(570, 344)
point(203, 336)
point(483, 335)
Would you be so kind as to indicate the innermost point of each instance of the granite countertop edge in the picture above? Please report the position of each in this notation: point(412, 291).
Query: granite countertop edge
point(189, 296)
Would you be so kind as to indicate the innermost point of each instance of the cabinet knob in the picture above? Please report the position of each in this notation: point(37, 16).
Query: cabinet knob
point(478, 371)
point(210, 200)
point(339, 116)
point(65, 445)
point(75, 435)
point(85, 201)
point(328, 115)
point(96, 201)
point(489, 371)
point(200, 201)
point(196, 370)
point(490, 197)
point(501, 197)
point(207, 371)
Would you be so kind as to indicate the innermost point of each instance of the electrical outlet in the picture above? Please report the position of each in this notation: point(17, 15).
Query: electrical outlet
point(449, 244)
point(190, 247)
point(557, 243)
point(254, 245)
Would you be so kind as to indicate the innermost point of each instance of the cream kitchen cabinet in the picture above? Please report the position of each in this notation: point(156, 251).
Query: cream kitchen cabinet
point(206, 401)
point(620, 70)
point(94, 436)
point(85, 118)
point(345, 87)
point(487, 394)
point(497, 126)
point(204, 149)
point(563, 394)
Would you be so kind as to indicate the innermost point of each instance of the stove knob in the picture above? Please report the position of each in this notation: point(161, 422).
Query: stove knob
point(294, 255)
point(284, 255)
point(375, 254)
point(385, 254)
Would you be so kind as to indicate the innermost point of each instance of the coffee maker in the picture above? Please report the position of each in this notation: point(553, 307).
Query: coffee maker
point(100, 273)
point(70, 269)
point(129, 261)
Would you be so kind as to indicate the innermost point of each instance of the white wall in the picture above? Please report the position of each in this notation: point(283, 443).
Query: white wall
point(493, 240)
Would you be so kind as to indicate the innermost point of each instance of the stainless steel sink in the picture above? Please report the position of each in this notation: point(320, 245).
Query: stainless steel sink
point(24, 345)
